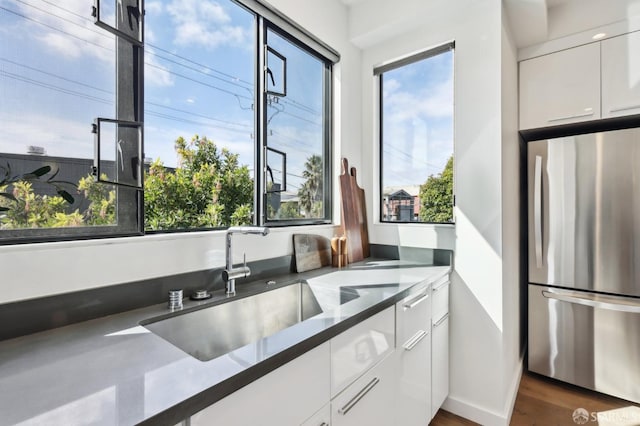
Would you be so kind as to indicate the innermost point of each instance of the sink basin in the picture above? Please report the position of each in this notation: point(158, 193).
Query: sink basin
point(214, 331)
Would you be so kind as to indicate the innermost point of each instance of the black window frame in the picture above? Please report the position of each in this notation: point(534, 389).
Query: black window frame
point(130, 106)
point(378, 73)
point(264, 26)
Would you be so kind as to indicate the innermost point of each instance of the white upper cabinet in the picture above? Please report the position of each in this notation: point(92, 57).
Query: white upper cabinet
point(560, 88)
point(621, 75)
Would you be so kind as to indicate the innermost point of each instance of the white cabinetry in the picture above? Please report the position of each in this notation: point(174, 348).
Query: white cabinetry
point(413, 334)
point(321, 418)
point(370, 400)
point(286, 396)
point(440, 345)
point(359, 348)
point(621, 75)
point(561, 87)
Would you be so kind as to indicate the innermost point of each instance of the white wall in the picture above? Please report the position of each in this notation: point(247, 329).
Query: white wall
point(38, 270)
point(512, 287)
point(579, 15)
point(485, 347)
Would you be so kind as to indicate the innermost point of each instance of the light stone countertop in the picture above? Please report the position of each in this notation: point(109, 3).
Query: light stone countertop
point(113, 371)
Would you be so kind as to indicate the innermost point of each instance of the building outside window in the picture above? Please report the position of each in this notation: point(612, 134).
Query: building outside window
point(416, 138)
point(219, 142)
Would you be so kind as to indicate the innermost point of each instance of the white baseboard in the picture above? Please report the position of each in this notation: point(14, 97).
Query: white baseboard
point(482, 415)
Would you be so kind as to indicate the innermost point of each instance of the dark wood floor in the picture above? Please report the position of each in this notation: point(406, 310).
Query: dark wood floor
point(547, 402)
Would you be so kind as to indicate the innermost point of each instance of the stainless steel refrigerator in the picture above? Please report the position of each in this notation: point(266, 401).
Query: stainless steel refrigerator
point(584, 260)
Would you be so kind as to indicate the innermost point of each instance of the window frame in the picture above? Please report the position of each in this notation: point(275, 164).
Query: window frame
point(265, 25)
point(378, 72)
point(130, 106)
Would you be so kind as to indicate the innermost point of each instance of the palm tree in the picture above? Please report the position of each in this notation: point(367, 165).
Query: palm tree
point(311, 191)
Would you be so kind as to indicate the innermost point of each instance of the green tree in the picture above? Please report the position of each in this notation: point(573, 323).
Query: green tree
point(436, 196)
point(102, 198)
point(207, 189)
point(289, 210)
point(25, 209)
point(311, 191)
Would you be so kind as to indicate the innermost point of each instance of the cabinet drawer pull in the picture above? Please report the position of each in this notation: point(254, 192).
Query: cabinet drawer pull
point(411, 343)
point(441, 286)
point(441, 320)
point(416, 301)
point(344, 410)
point(568, 117)
point(624, 108)
point(324, 424)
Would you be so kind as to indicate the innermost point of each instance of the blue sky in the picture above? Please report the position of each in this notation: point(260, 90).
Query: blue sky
point(57, 72)
point(418, 120)
point(58, 75)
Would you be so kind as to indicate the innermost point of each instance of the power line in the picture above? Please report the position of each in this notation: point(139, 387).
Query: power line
point(184, 120)
point(55, 88)
point(54, 28)
point(56, 76)
point(289, 101)
point(100, 33)
point(199, 115)
point(200, 65)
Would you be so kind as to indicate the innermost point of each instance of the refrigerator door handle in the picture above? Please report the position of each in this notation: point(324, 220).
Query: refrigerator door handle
point(537, 210)
point(612, 303)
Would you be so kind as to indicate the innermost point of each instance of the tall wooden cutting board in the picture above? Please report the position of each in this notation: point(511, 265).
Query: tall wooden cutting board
point(362, 217)
point(351, 213)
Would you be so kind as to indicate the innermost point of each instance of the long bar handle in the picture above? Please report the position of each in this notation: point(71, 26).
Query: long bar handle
point(411, 343)
point(344, 410)
point(441, 320)
point(416, 301)
point(537, 210)
point(624, 108)
point(611, 303)
point(568, 117)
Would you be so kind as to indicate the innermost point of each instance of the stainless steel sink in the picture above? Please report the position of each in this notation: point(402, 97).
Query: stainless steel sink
point(214, 331)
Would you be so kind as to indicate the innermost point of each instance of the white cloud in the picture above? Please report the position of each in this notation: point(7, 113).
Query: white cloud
point(156, 74)
point(205, 23)
point(434, 103)
point(418, 131)
point(71, 36)
point(153, 8)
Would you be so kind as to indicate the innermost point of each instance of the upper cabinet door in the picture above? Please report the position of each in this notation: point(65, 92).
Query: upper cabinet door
point(560, 88)
point(621, 75)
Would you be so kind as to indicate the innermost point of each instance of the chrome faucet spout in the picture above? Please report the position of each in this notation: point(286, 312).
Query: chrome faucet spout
point(230, 274)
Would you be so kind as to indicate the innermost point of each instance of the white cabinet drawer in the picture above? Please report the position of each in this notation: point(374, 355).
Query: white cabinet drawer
point(358, 349)
point(321, 418)
point(440, 296)
point(370, 400)
point(413, 315)
point(413, 352)
point(439, 363)
point(286, 396)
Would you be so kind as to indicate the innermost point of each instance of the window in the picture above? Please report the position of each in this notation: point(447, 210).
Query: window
point(297, 135)
point(416, 138)
point(226, 141)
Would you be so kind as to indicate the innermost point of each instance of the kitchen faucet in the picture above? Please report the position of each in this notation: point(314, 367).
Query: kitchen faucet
point(230, 274)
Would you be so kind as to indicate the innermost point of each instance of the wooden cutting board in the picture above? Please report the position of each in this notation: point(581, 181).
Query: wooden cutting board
point(311, 251)
point(362, 217)
point(351, 214)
